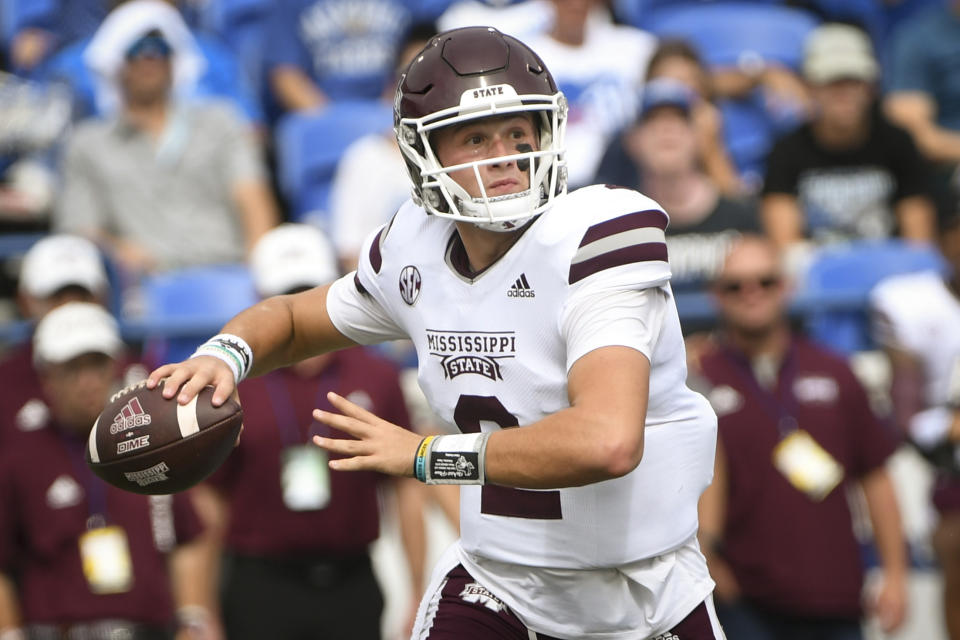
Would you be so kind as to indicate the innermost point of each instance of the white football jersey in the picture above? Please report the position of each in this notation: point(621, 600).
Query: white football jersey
point(494, 351)
point(920, 315)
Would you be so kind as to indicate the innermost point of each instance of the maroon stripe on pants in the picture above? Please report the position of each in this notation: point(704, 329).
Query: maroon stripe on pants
point(467, 611)
point(696, 626)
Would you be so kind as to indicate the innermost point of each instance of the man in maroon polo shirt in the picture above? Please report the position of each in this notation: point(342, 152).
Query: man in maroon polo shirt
point(57, 269)
point(80, 559)
point(296, 561)
point(795, 430)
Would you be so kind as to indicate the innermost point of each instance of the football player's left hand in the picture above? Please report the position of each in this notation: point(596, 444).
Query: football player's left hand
point(379, 446)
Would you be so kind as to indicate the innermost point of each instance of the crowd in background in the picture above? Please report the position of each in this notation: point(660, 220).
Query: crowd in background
point(153, 155)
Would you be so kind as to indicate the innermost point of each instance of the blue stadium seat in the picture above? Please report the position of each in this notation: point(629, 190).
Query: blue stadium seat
point(183, 308)
point(840, 278)
point(723, 31)
point(309, 146)
point(749, 134)
point(635, 12)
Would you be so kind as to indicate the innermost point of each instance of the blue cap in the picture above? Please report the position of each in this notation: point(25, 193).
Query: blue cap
point(665, 92)
point(151, 45)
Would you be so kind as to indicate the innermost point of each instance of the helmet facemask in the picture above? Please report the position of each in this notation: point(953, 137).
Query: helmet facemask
point(440, 194)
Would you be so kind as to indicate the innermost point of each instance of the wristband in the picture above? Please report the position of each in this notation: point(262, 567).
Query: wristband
point(193, 617)
point(457, 459)
point(230, 349)
point(420, 460)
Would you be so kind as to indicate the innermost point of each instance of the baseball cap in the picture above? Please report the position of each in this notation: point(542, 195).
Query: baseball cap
point(836, 52)
point(666, 92)
point(291, 256)
point(60, 261)
point(74, 329)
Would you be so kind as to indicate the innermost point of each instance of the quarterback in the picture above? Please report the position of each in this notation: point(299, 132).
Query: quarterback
point(547, 333)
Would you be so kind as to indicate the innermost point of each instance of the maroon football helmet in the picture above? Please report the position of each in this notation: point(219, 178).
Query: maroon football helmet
point(478, 72)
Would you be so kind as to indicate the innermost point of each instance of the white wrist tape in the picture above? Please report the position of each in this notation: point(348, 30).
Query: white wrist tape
point(457, 459)
point(231, 349)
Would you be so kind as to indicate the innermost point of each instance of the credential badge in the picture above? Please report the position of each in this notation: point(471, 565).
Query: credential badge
point(410, 284)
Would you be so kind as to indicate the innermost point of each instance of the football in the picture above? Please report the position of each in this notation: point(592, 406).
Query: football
point(147, 444)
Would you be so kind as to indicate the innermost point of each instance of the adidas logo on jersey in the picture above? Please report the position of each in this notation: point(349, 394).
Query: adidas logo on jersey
point(521, 288)
point(132, 415)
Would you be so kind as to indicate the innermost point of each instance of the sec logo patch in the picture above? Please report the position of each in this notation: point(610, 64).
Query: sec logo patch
point(410, 284)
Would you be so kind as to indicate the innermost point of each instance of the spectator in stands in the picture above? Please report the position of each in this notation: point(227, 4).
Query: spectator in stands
point(522, 19)
point(917, 316)
point(33, 119)
point(923, 84)
point(678, 60)
point(795, 429)
point(355, 208)
point(658, 157)
point(324, 50)
point(599, 66)
point(204, 65)
point(164, 183)
point(56, 270)
point(848, 173)
point(41, 28)
point(310, 568)
point(80, 558)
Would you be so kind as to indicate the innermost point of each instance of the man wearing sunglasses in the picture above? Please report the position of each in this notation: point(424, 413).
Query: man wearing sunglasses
point(167, 182)
point(795, 430)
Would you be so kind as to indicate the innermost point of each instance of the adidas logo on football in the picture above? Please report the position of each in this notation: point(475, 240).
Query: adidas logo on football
point(521, 288)
point(132, 415)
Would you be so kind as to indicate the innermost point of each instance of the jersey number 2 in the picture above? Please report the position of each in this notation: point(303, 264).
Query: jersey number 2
point(494, 499)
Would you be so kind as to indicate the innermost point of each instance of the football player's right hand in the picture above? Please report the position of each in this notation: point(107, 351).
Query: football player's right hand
point(192, 375)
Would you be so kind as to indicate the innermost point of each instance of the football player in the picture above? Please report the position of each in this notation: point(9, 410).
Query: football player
point(917, 316)
point(531, 308)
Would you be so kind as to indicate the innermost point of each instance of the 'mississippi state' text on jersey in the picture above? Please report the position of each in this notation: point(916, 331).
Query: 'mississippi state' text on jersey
point(494, 350)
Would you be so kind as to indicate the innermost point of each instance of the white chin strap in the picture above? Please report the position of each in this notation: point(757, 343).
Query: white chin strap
point(501, 213)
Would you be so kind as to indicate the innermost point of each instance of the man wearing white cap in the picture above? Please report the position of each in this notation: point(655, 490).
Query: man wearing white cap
point(56, 270)
point(80, 549)
point(166, 181)
point(849, 173)
point(310, 568)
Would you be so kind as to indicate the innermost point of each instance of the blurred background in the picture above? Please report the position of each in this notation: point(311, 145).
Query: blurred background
point(175, 135)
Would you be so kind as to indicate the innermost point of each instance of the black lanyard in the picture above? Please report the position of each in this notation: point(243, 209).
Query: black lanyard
point(94, 488)
point(771, 401)
point(281, 403)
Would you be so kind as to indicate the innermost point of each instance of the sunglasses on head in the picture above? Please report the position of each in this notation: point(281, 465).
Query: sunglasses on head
point(154, 47)
point(735, 286)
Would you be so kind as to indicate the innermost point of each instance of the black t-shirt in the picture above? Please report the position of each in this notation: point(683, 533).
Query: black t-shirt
point(697, 251)
point(849, 193)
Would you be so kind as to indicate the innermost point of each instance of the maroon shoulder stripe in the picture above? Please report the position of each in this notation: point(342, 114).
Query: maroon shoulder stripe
point(646, 252)
point(376, 260)
point(635, 220)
